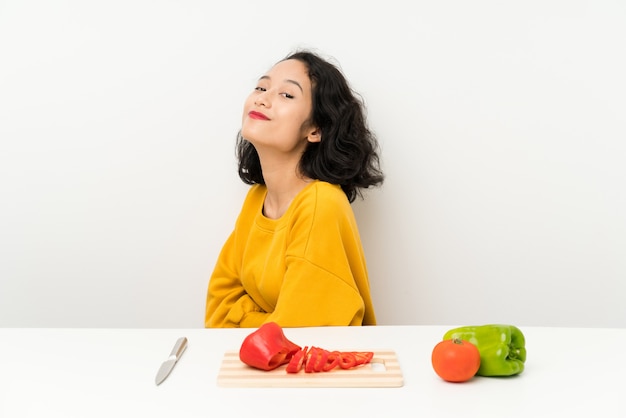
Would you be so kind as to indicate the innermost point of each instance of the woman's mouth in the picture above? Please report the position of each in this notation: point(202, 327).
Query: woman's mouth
point(257, 115)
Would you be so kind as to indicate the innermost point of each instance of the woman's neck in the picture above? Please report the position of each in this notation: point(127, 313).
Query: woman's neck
point(283, 185)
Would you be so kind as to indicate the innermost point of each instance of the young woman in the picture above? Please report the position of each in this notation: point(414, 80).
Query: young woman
point(295, 255)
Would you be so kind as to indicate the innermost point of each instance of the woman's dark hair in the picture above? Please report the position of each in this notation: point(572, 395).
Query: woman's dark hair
point(347, 154)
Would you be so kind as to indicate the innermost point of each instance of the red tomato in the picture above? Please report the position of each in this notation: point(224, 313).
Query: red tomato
point(455, 360)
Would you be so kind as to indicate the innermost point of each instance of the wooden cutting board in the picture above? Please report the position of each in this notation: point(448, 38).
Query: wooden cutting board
point(383, 371)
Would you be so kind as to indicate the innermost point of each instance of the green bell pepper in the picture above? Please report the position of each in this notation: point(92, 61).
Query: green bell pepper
point(501, 347)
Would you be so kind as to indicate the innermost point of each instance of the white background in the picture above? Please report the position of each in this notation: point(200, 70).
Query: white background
point(501, 125)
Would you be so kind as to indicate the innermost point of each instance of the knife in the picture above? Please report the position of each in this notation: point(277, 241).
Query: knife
point(168, 365)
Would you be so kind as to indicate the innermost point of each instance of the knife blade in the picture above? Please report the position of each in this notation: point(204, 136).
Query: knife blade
point(168, 365)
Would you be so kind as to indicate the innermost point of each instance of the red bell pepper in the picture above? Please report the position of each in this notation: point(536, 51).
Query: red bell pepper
point(267, 348)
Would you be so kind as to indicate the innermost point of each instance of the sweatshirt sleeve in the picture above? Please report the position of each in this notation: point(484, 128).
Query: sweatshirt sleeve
point(227, 301)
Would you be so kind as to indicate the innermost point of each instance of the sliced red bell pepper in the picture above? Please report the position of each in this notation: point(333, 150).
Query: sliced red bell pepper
point(347, 360)
point(267, 348)
point(297, 360)
point(332, 361)
point(363, 357)
point(312, 359)
point(322, 360)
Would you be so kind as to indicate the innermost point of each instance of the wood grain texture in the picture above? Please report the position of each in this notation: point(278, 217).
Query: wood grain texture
point(234, 373)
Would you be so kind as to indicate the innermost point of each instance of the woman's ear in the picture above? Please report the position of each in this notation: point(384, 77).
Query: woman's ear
point(315, 135)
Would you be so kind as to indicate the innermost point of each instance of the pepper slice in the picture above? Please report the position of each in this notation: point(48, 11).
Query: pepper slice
point(347, 360)
point(334, 357)
point(297, 361)
point(322, 359)
point(502, 347)
point(363, 357)
point(267, 348)
point(312, 359)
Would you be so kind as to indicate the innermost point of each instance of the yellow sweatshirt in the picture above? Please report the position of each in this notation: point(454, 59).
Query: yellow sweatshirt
point(305, 269)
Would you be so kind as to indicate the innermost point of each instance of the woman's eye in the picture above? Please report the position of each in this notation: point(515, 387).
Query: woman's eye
point(259, 88)
point(287, 95)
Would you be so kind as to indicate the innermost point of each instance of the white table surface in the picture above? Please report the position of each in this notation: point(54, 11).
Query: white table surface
point(110, 373)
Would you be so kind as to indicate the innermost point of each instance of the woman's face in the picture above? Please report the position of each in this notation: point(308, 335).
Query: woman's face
point(277, 113)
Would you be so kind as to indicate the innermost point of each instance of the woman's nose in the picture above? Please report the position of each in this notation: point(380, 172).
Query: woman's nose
point(262, 100)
